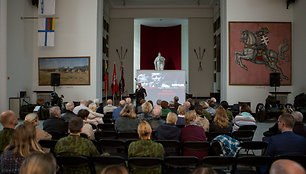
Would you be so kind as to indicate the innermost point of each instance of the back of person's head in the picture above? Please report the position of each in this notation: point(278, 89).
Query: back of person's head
point(164, 104)
point(83, 113)
point(288, 110)
point(204, 104)
point(287, 119)
point(109, 102)
point(144, 130)
point(96, 101)
point(89, 102)
point(146, 107)
point(142, 101)
point(84, 102)
point(211, 103)
point(157, 112)
point(114, 169)
point(128, 111)
point(298, 116)
point(203, 170)
point(181, 110)
point(75, 124)
point(176, 99)
point(224, 104)
point(122, 103)
point(69, 106)
point(128, 100)
point(24, 140)
point(245, 108)
point(8, 119)
point(39, 163)
point(158, 101)
point(187, 104)
point(198, 109)
point(31, 118)
point(190, 116)
point(92, 107)
point(151, 102)
point(221, 118)
point(285, 166)
point(55, 111)
point(171, 118)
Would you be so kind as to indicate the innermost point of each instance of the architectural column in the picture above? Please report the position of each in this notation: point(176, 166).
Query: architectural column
point(3, 56)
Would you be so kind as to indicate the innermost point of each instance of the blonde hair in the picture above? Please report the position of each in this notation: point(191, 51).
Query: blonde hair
point(144, 130)
point(39, 163)
point(181, 110)
point(128, 111)
point(221, 118)
point(146, 107)
point(190, 116)
point(114, 169)
point(24, 141)
point(31, 118)
point(93, 107)
point(171, 118)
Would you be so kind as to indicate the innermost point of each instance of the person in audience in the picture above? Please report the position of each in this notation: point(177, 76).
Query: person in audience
point(94, 117)
point(127, 122)
point(100, 108)
point(299, 127)
point(145, 147)
point(169, 131)
point(176, 102)
point(211, 109)
point(139, 107)
point(54, 124)
point(181, 110)
point(116, 112)
point(156, 121)
point(151, 102)
point(75, 145)
point(187, 106)
point(114, 169)
point(203, 170)
point(87, 128)
point(89, 102)
point(69, 112)
point(165, 108)
point(215, 101)
point(128, 100)
point(158, 104)
point(193, 132)
point(32, 118)
point(96, 101)
point(83, 105)
point(8, 120)
point(146, 112)
point(286, 143)
point(22, 145)
point(244, 118)
point(285, 166)
point(109, 107)
point(39, 163)
point(221, 123)
point(191, 107)
point(201, 120)
point(206, 114)
point(229, 113)
point(171, 107)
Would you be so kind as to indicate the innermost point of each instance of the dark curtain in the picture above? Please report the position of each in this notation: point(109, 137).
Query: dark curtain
point(166, 40)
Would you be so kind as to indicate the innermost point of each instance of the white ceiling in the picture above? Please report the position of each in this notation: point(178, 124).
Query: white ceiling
point(159, 3)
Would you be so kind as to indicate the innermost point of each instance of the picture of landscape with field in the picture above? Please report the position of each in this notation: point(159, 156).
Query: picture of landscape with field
point(72, 70)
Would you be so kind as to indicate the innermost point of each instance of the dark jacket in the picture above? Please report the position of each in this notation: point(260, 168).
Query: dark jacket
point(56, 125)
point(68, 115)
point(168, 132)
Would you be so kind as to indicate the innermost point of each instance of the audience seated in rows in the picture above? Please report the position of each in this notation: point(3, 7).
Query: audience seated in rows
point(285, 166)
point(116, 112)
point(193, 132)
point(286, 143)
point(109, 107)
point(244, 118)
point(74, 145)
point(229, 113)
point(206, 114)
point(127, 122)
point(8, 120)
point(69, 112)
point(22, 144)
point(87, 128)
point(145, 147)
point(55, 124)
point(181, 110)
point(83, 105)
point(201, 120)
point(169, 131)
point(32, 118)
point(39, 163)
point(94, 117)
point(220, 123)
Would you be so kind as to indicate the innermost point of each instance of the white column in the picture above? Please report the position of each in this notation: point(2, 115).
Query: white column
point(3, 56)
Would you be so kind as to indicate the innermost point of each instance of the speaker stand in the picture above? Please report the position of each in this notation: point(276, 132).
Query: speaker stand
point(54, 89)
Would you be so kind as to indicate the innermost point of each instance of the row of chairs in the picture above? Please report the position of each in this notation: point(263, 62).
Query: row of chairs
point(178, 164)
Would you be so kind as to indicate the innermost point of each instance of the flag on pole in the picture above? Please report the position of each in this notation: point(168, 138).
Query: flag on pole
point(46, 31)
point(46, 7)
point(115, 84)
point(106, 78)
point(122, 82)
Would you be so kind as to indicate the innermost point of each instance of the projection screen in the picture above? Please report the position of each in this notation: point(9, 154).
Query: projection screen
point(163, 85)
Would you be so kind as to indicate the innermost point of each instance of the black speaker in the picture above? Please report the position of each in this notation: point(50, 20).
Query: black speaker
point(274, 79)
point(55, 79)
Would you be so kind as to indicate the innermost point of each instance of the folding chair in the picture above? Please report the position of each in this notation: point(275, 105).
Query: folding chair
point(222, 164)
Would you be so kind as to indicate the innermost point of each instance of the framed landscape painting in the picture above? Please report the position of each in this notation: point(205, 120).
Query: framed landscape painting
point(257, 49)
point(72, 70)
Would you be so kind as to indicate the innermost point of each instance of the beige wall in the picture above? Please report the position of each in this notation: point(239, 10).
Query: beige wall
point(201, 35)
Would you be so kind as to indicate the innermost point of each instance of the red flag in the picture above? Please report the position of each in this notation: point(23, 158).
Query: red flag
point(122, 81)
point(106, 78)
point(115, 84)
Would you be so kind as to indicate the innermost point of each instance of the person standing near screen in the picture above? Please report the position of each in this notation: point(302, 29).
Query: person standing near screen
point(140, 93)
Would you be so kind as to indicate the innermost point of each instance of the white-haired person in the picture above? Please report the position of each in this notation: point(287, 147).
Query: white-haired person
point(94, 117)
point(32, 118)
point(299, 127)
point(169, 131)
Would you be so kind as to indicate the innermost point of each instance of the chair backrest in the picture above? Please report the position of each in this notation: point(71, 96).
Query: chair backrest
point(57, 136)
point(93, 126)
point(254, 145)
point(50, 144)
point(180, 126)
point(144, 162)
point(171, 147)
point(108, 115)
point(105, 134)
point(253, 161)
point(106, 127)
point(112, 144)
point(243, 135)
point(196, 145)
point(248, 127)
point(181, 161)
point(211, 135)
point(220, 163)
point(108, 160)
point(127, 135)
point(69, 162)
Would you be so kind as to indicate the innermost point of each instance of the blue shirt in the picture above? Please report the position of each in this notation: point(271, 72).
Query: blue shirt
point(116, 113)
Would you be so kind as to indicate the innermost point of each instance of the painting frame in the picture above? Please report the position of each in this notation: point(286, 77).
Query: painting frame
point(257, 57)
point(72, 70)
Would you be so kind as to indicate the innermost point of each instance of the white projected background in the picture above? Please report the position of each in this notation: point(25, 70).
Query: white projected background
point(163, 85)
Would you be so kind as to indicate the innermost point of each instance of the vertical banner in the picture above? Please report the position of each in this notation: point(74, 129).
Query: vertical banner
point(115, 84)
point(46, 8)
point(46, 31)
